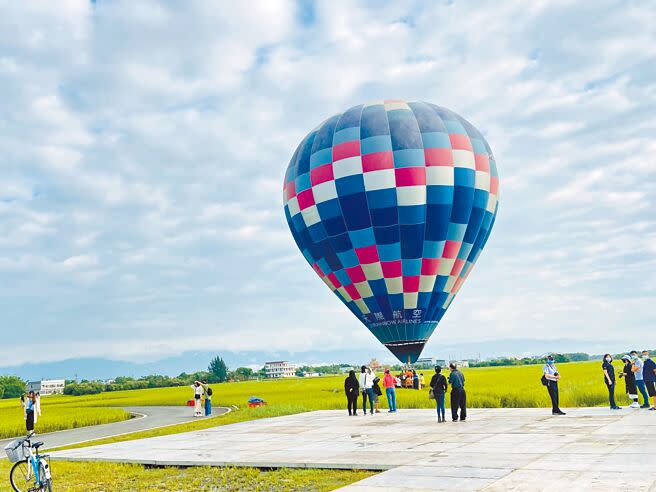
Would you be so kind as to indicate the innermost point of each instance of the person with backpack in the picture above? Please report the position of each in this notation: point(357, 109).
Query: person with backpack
point(438, 387)
point(377, 392)
point(550, 378)
point(352, 390)
point(208, 397)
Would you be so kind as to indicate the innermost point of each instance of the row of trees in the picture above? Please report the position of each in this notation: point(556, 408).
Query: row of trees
point(325, 369)
point(217, 372)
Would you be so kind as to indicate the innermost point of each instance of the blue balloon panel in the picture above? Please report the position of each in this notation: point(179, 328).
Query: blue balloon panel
point(391, 203)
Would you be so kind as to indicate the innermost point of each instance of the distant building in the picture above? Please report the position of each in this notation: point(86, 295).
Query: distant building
point(461, 363)
point(47, 386)
point(279, 369)
point(311, 374)
point(428, 362)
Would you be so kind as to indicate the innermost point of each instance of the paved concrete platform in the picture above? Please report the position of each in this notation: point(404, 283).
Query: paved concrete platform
point(496, 449)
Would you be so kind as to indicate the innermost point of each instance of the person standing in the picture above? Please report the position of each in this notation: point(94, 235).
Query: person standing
point(415, 380)
point(208, 397)
point(458, 394)
point(422, 381)
point(30, 408)
point(23, 400)
point(352, 388)
point(439, 387)
point(377, 392)
point(649, 376)
point(550, 373)
point(366, 381)
point(389, 382)
point(37, 406)
point(609, 379)
point(629, 381)
point(198, 396)
point(639, 380)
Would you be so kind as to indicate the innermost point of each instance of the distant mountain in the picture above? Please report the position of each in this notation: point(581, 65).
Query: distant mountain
point(94, 368)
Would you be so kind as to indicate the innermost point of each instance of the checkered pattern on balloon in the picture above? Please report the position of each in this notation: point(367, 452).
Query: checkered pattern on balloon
point(391, 203)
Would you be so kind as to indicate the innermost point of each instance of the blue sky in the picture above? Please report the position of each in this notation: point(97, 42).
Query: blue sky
point(144, 146)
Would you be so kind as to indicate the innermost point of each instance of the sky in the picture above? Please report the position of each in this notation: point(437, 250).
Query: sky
point(143, 147)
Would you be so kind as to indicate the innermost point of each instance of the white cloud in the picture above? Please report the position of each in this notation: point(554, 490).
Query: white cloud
point(144, 150)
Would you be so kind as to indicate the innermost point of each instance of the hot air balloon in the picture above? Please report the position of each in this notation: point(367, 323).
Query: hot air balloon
point(391, 204)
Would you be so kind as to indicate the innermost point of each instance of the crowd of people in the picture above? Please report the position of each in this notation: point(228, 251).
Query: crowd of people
point(638, 371)
point(202, 398)
point(368, 386)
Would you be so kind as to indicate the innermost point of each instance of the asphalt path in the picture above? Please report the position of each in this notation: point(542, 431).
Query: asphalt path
point(145, 418)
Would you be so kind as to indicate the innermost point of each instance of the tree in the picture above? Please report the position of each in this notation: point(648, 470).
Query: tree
point(13, 386)
point(243, 373)
point(219, 369)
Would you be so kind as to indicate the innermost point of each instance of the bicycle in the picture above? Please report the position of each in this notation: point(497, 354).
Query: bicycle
point(31, 470)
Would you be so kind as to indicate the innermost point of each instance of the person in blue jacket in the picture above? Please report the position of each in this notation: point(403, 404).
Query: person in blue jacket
point(649, 376)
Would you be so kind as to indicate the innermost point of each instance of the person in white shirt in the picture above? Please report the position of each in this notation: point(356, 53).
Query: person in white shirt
point(198, 396)
point(37, 407)
point(550, 373)
point(366, 380)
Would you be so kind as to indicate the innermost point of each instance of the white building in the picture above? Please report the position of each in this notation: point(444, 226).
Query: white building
point(279, 369)
point(47, 386)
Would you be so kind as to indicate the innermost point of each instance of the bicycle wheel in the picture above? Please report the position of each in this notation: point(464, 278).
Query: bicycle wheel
point(21, 476)
point(46, 484)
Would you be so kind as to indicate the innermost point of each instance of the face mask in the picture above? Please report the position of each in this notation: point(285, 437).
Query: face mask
point(608, 359)
point(550, 362)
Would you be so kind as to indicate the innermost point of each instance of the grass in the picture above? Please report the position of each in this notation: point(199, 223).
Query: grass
point(55, 417)
point(520, 386)
point(116, 477)
point(486, 388)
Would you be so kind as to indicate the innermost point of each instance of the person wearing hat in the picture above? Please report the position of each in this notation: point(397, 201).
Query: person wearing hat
point(552, 376)
point(629, 381)
point(639, 379)
point(458, 394)
point(438, 385)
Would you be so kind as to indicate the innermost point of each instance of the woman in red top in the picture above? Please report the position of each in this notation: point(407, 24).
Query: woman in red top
point(389, 382)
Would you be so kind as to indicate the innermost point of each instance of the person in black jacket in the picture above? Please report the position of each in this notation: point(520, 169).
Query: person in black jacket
point(629, 381)
point(352, 390)
point(438, 385)
point(609, 378)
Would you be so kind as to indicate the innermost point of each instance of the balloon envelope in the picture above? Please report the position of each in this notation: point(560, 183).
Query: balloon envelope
point(391, 203)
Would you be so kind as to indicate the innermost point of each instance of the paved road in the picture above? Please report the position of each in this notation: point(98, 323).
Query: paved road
point(147, 418)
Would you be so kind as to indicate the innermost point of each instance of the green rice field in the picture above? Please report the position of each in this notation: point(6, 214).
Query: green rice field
point(515, 386)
